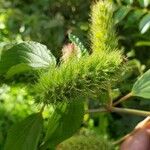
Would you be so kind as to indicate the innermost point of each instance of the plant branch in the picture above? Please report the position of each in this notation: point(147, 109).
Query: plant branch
point(100, 110)
point(42, 109)
point(110, 97)
point(124, 98)
point(121, 140)
point(120, 110)
point(130, 111)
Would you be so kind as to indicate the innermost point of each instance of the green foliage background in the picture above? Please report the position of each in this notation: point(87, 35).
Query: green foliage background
point(48, 22)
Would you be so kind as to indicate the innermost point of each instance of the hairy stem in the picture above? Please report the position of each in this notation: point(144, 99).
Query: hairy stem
point(124, 98)
point(130, 111)
point(121, 140)
point(120, 110)
point(100, 110)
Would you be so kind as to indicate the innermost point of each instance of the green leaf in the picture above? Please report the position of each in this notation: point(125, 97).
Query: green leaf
point(81, 49)
point(121, 13)
point(144, 3)
point(128, 1)
point(142, 43)
point(141, 87)
point(133, 18)
point(144, 24)
point(64, 122)
point(25, 56)
point(25, 135)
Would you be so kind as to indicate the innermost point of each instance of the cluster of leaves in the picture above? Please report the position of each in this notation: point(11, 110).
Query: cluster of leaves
point(45, 21)
point(138, 10)
point(133, 21)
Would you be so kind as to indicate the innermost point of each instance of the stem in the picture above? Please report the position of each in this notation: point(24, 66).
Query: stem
point(121, 140)
point(42, 109)
point(110, 97)
point(124, 98)
point(100, 110)
point(131, 111)
point(120, 110)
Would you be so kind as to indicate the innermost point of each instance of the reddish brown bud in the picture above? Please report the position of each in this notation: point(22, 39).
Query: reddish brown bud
point(68, 51)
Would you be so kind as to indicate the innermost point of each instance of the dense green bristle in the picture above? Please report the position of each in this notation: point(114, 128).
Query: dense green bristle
point(102, 33)
point(87, 77)
point(82, 142)
point(92, 74)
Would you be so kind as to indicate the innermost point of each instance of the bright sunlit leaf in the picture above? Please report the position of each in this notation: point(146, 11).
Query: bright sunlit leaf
point(25, 56)
point(145, 24)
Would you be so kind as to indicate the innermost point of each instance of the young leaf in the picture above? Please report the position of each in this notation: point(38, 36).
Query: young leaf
point(145, 23)
point(143, 43)
point(25, 135)
point(81, 49)
point(141, 87)
point(64, 122)
point(121, 13)
point(25, 56)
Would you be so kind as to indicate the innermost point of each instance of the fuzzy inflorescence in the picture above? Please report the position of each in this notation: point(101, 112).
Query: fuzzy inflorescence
point(86, 142)
point(92, 74)
point(86, 77)
point(103, 36)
